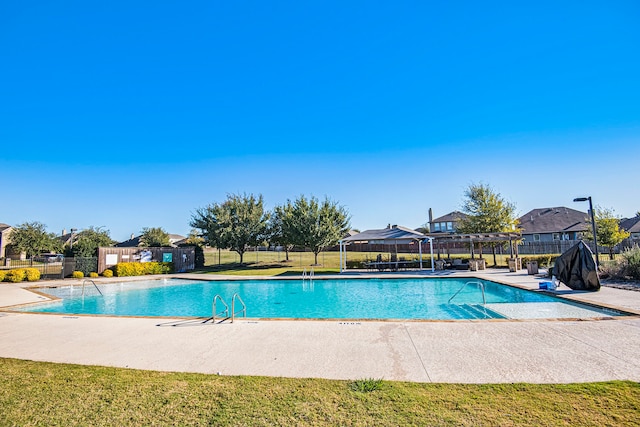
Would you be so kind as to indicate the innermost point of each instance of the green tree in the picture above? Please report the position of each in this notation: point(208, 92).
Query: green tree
point(154, 237)
point(487, 212)
point(88, 241)
point(424, 228)
point(236, 224)
point(282, 228)
point(317, 225)
point(206, 220)
point(194, 239)
point(607, 229)
point(33, 239)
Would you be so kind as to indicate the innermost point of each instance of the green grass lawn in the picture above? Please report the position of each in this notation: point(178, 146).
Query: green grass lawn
point(48, 394)
point(271, 263)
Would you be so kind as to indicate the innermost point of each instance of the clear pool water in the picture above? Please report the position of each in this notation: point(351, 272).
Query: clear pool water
point(424, 298)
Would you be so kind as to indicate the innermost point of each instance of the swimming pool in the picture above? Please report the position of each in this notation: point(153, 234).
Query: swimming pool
point(422, 298)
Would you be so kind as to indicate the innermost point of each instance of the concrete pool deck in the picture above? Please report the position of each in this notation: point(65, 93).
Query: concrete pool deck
point(536, 351)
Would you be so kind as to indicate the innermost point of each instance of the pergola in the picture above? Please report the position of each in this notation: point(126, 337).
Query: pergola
point(482, 238)
point(392, 235)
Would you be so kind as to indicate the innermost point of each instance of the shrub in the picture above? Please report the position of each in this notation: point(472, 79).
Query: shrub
point(631, 262)
point(151, 268)
point(86, 264)
point(543, 260)
point(15, 276)
point(141, 268)
point(199, 252)
point(93, 274)
point(2, 274)
point(77, 274)
point(32, 274)
point(625, 267)
point(128, 269)
point(158, 268)
point(355, 264)
point(107, 273)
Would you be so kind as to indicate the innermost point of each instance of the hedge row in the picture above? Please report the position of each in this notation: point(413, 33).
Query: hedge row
point(80, 274)
point(18, 275)
point(141, 268)
point(543, 260)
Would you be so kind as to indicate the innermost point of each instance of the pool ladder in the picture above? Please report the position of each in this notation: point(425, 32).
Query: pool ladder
point(94, 285)
point(225, 313)
point(478, 283)
point(306, 275)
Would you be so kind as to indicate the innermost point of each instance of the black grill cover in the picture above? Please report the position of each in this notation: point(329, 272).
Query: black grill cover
point(576, 268)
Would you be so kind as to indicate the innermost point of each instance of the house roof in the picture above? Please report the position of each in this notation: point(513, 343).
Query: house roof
point(632, 225)
point(450, 217)
point(554, 220)
point(174, 239)
point(477, 237)
point(131, 243)
point(391, 234)
point(4, 226)
point(66, 238)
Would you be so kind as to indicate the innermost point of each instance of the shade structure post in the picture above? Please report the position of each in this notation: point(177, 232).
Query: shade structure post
point(340, 255)
point(510, 247)
point(420, 250)
point(471, 246)
point(344, 260)
point(431, 249)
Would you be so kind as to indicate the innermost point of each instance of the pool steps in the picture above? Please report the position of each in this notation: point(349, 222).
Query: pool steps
point(472, 311)
point(477, 283)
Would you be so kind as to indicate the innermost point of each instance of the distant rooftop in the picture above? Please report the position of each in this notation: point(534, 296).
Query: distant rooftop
point(393, 233)
point(451, 217)
point(553, 220)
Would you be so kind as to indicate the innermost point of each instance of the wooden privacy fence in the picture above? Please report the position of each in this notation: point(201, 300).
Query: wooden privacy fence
point(183, 258)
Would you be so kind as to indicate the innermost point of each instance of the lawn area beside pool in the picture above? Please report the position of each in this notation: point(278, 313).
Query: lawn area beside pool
point(40, 393)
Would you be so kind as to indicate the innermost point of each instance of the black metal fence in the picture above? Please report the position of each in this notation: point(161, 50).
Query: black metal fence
point(49, 267)
point(53, 267)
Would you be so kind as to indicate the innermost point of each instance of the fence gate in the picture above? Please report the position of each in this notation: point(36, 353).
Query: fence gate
point(85, 264)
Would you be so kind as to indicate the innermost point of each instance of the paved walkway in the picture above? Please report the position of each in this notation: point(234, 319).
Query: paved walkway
point(545, 351)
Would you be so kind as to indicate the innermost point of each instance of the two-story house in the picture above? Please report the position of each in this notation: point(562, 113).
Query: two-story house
point(5, 231)
point(553, 224)
point(446, 223)
point(632, 225)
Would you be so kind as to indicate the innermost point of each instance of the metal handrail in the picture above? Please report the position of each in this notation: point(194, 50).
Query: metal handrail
point(472, 282)
point(215, 312)
point(306, 275)
point(233, 305)
point(94, 285)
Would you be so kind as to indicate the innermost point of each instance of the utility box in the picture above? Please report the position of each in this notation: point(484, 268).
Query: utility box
point(532, 267)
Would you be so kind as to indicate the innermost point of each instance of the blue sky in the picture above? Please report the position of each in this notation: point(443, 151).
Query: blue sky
point(133, 114)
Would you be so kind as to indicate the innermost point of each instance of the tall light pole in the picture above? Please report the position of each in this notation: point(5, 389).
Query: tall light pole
point(73, 230)
point(593, 226)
